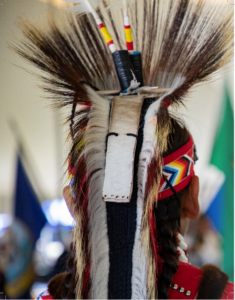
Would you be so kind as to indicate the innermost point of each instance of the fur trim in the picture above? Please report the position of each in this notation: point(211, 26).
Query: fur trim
point(95, 141)
point(140, 263)
point(213, 283)
point(56, 285)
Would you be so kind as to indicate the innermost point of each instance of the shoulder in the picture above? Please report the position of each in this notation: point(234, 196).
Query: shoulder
point(209, 282)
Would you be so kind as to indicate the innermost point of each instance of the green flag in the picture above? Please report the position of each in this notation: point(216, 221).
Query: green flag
point(223, 159)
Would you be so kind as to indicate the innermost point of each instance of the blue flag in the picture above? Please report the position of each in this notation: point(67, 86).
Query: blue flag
point(27, 207)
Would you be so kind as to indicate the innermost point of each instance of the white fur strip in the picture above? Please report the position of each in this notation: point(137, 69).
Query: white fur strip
point(140, 268)
point(95, 140)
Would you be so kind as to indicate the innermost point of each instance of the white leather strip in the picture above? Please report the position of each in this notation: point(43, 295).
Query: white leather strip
point(119, 168)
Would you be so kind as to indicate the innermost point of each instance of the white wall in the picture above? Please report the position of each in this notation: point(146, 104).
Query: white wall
point(21, 100)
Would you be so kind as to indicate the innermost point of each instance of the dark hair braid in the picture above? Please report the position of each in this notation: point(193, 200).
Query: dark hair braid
point(166, 227)
point(167, 218)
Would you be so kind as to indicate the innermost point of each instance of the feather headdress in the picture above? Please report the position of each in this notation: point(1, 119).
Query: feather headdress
point(181, 44)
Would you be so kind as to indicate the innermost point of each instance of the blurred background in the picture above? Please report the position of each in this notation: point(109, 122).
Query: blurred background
point(35, 225)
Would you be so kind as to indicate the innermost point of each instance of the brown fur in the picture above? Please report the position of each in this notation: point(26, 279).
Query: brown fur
point(56, 285)
point(212, 284)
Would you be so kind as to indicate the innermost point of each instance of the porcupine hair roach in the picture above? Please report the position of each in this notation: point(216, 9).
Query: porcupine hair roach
point(182, 43)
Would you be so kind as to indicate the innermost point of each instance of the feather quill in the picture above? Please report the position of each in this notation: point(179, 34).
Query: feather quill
point(90, 6)
point(84, 6)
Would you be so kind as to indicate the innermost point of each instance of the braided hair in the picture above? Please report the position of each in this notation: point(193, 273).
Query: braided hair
point(167, 218)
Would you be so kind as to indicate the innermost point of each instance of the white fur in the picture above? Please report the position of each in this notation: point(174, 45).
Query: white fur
point(95, 140)
point(140, 267)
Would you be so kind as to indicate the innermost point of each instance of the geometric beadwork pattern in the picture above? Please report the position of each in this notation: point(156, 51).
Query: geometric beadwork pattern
point(177, 170)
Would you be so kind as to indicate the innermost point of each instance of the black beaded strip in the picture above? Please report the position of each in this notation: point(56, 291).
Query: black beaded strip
point(180, 289)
